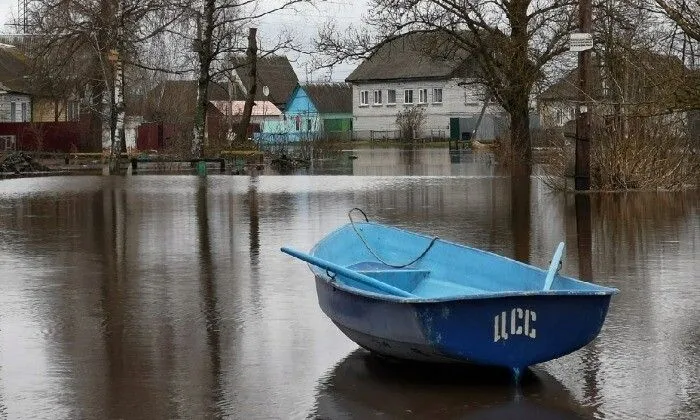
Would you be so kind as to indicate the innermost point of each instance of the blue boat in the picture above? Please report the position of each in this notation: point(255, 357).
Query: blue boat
point(409, 296)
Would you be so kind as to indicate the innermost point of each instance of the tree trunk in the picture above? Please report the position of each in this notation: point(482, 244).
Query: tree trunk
point(252, 56)
point(113, 146)
point(119, 110)
point(204, 53)
point(200, 114)
point(522, 74)
point(521, 149)
point(520, 195)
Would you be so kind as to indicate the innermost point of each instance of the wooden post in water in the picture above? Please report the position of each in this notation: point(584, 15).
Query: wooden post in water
point(582, 177)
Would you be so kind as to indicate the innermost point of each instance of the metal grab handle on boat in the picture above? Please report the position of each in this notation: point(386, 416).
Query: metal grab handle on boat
point(347, 272)
point(554, 266)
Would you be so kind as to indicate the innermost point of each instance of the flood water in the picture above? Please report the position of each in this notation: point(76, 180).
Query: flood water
point(167, 296)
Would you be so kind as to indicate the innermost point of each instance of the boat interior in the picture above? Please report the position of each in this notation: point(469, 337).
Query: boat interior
point(446, 269)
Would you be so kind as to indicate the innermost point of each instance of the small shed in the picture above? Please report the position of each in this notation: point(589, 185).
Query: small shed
point(316, 110)
point(225, 115)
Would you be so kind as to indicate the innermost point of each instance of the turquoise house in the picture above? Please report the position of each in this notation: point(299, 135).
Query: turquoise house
point(313, 111)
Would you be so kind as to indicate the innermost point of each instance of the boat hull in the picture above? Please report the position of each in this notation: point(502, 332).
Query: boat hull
point(510, 331)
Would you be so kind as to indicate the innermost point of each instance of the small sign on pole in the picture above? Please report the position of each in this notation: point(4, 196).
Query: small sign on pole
point(580, 41)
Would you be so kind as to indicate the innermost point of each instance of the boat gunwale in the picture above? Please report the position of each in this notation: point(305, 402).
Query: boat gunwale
point(320, 274)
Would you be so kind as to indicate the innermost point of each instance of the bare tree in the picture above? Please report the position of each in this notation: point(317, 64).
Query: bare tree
point(511, 41)
point(685, 13)
point(220, 33)
point(640, 125)
point(410, 122)
point(95, 40)
point(684, 41)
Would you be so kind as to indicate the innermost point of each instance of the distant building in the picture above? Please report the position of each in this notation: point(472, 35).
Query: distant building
point(171, 104)
point(314, 110)
point(15, 97)
point(23, 100)
point(406, 73)
point(273, 71)
point(173, 101)
point(642, 86)
point(224, 116)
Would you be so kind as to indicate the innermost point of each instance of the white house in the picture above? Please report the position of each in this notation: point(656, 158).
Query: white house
point(14, 106)
point(402, 74)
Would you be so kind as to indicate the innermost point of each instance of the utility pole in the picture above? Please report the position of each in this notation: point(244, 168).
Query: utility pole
point(583, 112)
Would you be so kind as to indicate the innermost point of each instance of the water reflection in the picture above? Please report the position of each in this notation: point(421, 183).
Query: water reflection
point(520, 216)
point(421, 162)
point(585, 270)
point(584, 240)
point(365, 386)
point(254, 221)
point(167, 297)
point(207, 277)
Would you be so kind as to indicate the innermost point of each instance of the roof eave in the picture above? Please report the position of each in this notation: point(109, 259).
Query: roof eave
point(399, 79)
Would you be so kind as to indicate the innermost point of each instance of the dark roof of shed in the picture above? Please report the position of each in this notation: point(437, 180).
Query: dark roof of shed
point(186, 89)
point(273, 71)
point(567, 88)
point(177, 98)
point(330, 97)
point(13, 68)
point(414, 56)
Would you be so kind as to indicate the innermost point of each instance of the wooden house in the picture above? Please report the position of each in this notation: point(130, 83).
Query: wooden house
point(314, 110)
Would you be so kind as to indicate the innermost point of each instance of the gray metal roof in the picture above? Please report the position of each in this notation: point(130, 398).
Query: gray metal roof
point(414, 56)
point(330, 97)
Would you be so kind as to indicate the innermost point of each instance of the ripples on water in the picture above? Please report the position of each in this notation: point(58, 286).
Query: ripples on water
point(166, 296)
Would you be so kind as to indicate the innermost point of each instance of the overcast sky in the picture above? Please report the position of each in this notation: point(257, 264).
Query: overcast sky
point(304, 21)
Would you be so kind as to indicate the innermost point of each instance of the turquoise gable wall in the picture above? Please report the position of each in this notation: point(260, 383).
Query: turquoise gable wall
point(300, 118)
point(300, 103)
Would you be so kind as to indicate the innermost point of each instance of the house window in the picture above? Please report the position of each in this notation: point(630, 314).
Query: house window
point(24, 112)
point(297, 123)
point(364, 98)
point(408, 96)
point(74, 111)
point(422, 96)
point(437, 96)
point(391, 97)
point(13, 111)
point(377, 97)
point(308, 125)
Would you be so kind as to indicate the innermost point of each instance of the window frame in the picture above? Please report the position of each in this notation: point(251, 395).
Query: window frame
point(364, 98)
point(377, 94)
point(423, 96)
point(433, 98)
point(388, 97)
point(406, 94)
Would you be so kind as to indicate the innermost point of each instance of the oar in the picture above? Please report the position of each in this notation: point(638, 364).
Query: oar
point(347, 272)
point(554, 266)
